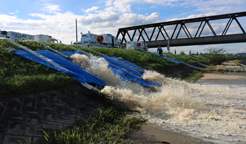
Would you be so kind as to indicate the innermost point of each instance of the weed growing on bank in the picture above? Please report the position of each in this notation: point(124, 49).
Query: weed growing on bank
point(190, 59)
point(108, 126)
point(190, 76)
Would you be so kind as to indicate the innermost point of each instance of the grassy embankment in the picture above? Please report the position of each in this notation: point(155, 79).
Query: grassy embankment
point(238, 62)
point(192, 76)
point(22, 76)
point(108, 126)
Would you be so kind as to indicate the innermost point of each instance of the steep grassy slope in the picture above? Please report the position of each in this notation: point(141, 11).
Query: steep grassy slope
point(19, 75)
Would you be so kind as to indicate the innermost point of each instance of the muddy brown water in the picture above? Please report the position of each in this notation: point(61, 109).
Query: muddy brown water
point(152, 134)
point(231, 78)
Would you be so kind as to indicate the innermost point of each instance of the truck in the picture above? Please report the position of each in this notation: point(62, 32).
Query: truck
point(110, 40)
point(136, 45)
point(45, 38)
point(21, 36)
point(104, 40)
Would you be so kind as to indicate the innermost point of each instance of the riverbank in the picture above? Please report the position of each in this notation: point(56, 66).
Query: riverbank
point(29, 111)
point(209, 76)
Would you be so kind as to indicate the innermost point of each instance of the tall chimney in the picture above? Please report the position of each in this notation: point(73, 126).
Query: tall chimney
point(76, 30)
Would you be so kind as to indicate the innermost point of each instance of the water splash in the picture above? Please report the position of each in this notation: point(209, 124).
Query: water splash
point(97, 66)
point(150, 75)
point(80, 59)
point(205, 111)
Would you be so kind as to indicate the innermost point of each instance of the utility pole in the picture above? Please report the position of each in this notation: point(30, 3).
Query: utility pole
point(76, 30)
point(168, 45)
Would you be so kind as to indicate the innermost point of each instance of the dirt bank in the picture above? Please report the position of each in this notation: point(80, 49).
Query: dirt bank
point(172, 72)
point(221, 76)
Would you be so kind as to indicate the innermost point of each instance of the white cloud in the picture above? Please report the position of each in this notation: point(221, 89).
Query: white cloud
point(109, 2)
point(243, 50)
point(109, 14)
point(131, 19)
point(94, 8)
point(205, 6)
point(218, 5)
point(153, 6)
point(207, 47)
point(117, 14)
point(61, 25)
point(51, 8)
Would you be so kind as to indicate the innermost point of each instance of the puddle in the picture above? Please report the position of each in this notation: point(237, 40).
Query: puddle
point(153, 134)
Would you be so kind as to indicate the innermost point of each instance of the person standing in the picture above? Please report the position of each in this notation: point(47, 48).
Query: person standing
point(160, 51)
point(88, 44)
point(175, 51)
point(190, 52)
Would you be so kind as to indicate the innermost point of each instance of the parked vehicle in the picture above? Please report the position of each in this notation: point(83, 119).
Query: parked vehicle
point(45, 38)
point(137, 45)
point(21, 36)
point(104, 40)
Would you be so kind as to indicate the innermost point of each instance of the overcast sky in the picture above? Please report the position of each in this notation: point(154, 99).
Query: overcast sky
point(57, 17)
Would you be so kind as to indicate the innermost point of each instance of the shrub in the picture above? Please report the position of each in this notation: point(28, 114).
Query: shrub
point(182, 53)
point(215, 57)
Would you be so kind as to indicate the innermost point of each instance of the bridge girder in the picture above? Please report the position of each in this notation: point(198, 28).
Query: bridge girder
point(190, 40)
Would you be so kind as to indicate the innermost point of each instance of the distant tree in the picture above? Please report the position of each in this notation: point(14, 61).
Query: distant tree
point(215, 57)
point(182, 53)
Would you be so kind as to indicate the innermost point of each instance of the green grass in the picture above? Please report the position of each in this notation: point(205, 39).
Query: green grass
point(21, 76)
point(190, 76)
point(194, 59)
point(37, 46)
point(191, 59)
point(108, 126)
point(237, 62)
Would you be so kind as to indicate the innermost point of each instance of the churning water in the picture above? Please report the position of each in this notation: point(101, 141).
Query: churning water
point(98, 67)
point(214, 113)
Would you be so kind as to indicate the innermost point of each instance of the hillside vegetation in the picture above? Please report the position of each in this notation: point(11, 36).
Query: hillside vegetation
point(21, 76)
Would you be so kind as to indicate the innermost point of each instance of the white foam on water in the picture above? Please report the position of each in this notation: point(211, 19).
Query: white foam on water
point(211, 112)
point(150, 75)
point(214, 112)
point(81, 60)
point(98, 67)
